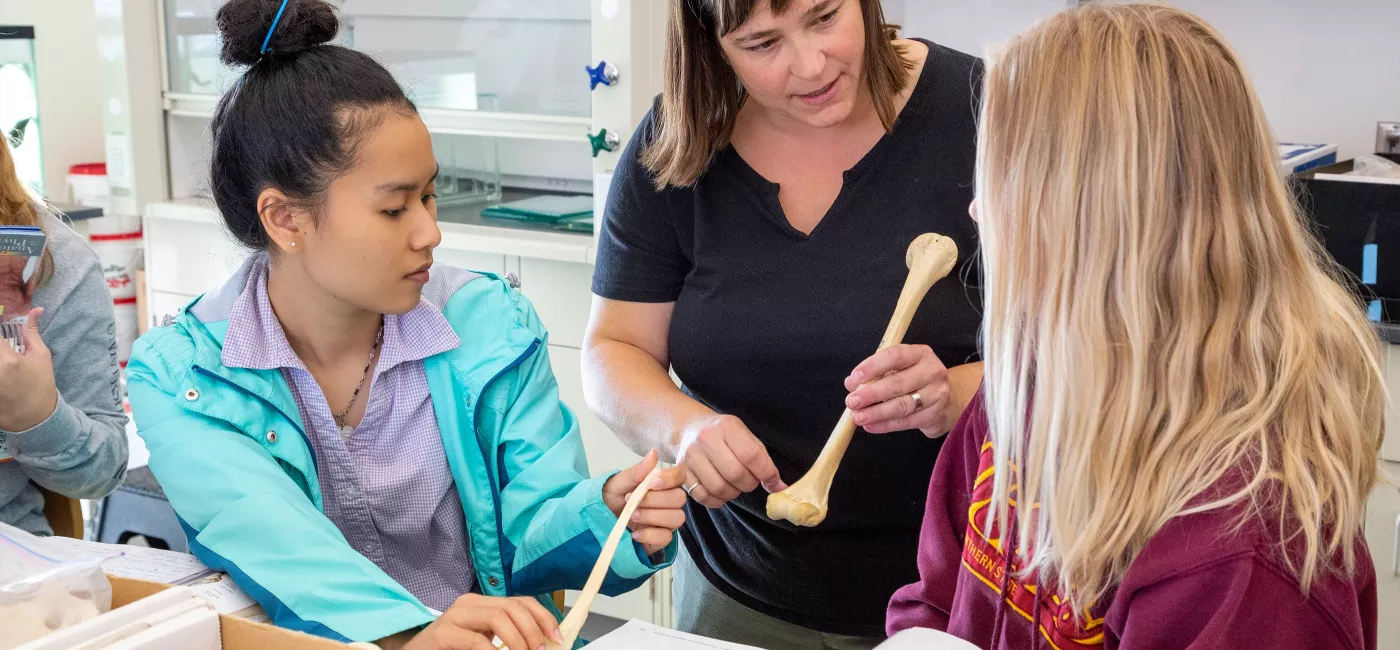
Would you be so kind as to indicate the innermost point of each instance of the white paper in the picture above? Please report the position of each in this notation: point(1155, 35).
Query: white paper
point(225, 596)
point(139, 562)
point(923, 639)
point(637, 635)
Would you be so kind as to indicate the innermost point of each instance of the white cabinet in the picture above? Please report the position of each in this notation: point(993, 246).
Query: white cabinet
point(188, 257)
point(561, 293)
point(1390, 362)
point(650, 602)
point(605, 451)
point(1382, 529)
point(1383, 517)
point(163, 304)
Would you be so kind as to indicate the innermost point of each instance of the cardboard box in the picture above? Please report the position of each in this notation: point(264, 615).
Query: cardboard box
point(236, 633)
point(1298, 158)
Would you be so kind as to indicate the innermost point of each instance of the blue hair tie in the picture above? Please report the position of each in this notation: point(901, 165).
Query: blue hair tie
point(275, 19)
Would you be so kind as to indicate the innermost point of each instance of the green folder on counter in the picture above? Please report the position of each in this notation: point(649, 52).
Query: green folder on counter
point(576, 224)
point(549, 208)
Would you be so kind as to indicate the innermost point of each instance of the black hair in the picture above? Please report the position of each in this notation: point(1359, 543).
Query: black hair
point(295, 119)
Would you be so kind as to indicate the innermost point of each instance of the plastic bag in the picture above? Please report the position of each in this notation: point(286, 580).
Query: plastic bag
point(1375, 167)
point(44, 587)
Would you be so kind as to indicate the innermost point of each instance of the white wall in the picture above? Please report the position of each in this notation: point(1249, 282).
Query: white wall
point(1325, 71)
point(70, 95)
point(971, 26)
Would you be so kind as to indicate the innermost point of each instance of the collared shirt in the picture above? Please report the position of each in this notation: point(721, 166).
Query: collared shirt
point(386, 485)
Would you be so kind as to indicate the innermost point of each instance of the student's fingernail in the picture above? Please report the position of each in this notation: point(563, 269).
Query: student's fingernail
point(656, 484)
point(557, 636)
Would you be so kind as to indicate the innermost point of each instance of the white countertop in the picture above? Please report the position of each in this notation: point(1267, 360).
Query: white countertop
point(501, 240)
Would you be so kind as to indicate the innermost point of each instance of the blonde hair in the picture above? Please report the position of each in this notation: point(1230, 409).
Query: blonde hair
point(16, 201)
point(1163, 336)
point(19, 207)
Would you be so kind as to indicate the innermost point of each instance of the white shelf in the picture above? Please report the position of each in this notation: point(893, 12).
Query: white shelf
point(439, 120)
point(507, 125)
point(558, 247)
point(191, 105)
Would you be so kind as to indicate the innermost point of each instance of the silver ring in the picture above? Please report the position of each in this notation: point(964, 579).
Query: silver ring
point(690, 487)
point(918, 401)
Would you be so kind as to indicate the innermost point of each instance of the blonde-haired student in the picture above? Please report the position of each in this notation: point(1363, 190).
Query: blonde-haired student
point(1182, 406)
point(62, 426)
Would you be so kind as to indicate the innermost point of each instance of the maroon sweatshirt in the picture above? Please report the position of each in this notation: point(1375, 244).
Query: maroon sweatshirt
point(1195, 585)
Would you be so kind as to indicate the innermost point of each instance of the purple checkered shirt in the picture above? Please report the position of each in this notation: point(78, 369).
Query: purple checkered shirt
point(386, 486)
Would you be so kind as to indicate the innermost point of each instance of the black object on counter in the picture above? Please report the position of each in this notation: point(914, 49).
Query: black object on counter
point(77, 212)
point(1350, 215)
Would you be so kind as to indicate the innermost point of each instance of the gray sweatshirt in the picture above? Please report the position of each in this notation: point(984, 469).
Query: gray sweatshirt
point(80, 450)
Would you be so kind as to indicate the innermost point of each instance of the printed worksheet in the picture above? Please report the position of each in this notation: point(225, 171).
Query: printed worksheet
point(140, 562)
point(636, 635)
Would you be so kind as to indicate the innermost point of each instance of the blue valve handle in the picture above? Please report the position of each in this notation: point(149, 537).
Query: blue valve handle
point(603, 74)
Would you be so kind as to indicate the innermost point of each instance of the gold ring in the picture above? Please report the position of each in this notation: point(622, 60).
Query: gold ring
point(918, 401)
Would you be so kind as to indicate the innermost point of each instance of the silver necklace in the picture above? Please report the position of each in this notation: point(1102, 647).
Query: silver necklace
point(345, 429)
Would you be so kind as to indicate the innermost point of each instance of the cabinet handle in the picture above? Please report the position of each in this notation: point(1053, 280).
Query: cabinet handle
point(606, 74)
point(604, 140)
point(1395, 552)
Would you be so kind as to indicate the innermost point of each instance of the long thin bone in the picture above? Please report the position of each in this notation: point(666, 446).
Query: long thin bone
point(573, 623)
point(930, 257)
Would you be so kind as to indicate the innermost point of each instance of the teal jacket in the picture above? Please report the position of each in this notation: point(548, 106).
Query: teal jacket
point(229, 448)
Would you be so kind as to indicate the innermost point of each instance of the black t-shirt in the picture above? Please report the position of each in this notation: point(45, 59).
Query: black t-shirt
point(768, 322)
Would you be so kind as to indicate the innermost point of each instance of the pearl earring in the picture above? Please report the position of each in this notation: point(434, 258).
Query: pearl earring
point(294, 244)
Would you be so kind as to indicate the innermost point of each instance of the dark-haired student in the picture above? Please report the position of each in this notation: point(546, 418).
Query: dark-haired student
point(754, 243)
point(358, 436)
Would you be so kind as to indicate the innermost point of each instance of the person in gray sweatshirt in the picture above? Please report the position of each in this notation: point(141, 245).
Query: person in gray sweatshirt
point(61, 419)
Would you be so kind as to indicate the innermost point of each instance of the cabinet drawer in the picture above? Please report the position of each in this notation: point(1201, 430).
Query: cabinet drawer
point(562, 294)
point(189, 257)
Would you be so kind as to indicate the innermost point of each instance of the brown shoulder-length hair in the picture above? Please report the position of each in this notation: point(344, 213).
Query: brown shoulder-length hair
point(702, 95)
point(18, 208)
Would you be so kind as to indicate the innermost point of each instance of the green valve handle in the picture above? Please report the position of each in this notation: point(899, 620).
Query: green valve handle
point(604, 140)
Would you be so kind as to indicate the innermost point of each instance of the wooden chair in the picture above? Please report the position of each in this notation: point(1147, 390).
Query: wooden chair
point(559, 599)
point(65, 515)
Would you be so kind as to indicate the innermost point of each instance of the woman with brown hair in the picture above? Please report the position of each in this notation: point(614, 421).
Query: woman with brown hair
point(62, 426)
point(754, 243)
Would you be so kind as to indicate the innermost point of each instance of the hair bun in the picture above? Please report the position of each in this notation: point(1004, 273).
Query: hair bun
point(243, 26)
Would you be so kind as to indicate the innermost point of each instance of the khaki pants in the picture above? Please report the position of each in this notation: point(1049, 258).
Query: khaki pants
point(702, 609)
